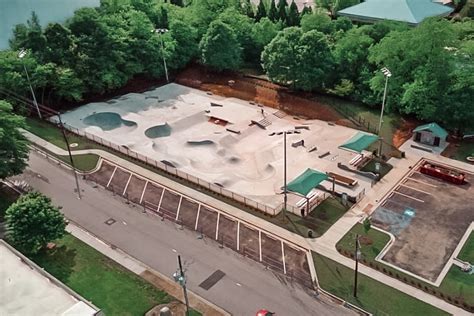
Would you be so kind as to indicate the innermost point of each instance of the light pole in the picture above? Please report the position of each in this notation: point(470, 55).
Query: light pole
point(161, 32)
point(181, 279)
point(22, 54)
point(285, 199)
point(357, 256)
point(387, 74)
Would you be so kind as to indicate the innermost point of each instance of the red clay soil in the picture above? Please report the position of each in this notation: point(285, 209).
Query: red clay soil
point(259, 91)
point(404, 131)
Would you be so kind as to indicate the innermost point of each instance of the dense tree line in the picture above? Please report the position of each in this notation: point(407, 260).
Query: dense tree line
point(100, 49)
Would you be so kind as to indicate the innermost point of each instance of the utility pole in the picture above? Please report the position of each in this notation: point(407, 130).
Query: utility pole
point(181, 279)
point(78, 189)
point(357, 255)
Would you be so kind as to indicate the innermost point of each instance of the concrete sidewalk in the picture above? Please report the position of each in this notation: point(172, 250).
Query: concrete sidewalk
point(154, 277)
point(324, 245)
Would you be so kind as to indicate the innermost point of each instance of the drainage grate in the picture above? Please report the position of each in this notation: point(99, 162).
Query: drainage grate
point(110, 221)
point(212, 280)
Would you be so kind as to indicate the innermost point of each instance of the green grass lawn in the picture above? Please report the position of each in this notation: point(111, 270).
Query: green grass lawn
point(464, 150)
point(456, 284)
point(372, 295)
point(319, 220)
point(467, 251)
point(100, 280)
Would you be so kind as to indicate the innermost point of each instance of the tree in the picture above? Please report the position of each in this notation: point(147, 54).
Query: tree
point(246, 8)
point(318, 21)
point(293, 18)
point(306, 10)
point(262, 33)
point(179, 3)
point(13, 145)
point(335, 5)
point(301, 59)
point(186, 42)
point(272, 12)
point(367, 225)
point(32, 221)
point(220, 48)
point(241, 25)
point(261, 11)
point(282, 5)
point(59, 47)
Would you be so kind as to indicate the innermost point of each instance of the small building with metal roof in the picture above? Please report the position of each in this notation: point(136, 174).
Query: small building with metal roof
point(412, 12)
point(430, 134)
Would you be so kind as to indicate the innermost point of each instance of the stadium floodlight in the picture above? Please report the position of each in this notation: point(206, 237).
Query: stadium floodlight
point(387, 74)
point(21, 55)
point(161, 32)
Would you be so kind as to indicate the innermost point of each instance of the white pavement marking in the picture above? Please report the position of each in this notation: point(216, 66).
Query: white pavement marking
point(179, 207)
point(161, 198)
point(415, 189)
point(422, 182)
point(260, 244)
point(238, 235)
point(217, 224)
point(143, 193)
point(408, 196)
point(126, 186)
point(283, 256)
point(110, 180)
point(197, 217)
point(238, 284)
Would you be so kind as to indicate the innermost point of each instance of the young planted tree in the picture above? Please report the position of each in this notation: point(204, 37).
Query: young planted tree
point(261, 11)
point(13, 145)
point(220, 48)
point(273, 12)
point(367, 225)
point(33, 221)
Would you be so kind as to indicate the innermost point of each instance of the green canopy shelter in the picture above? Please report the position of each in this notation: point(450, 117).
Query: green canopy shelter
point(306, 181)
point(360, 142)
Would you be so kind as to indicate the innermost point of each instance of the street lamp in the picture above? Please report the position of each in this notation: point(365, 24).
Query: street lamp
point(22, 54)
point(357, 256)
point(180, 278)
point(161, 32)
point(387, 74)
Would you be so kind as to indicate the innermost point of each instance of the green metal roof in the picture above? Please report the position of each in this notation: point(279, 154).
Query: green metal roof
point(360, 141)
point(306, 181)
point(410, 11)
point(433, 128)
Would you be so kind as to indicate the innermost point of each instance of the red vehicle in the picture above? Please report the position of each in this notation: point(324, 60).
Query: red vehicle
point(264, 312)
point(443, 173)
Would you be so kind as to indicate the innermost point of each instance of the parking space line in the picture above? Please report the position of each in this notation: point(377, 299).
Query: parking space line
point(238, 235)
point(179, 207)
point(110, 180)
point(126, 186)
point(283, 256)
point(408, 196)
point(197, 217)
point(217, 224)
point(406, 186)
point(423, 182)
point(143, 192)
point(161, 199)
point(260, 243)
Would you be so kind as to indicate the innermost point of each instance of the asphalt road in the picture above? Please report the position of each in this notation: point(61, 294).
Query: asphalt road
point(246, 287)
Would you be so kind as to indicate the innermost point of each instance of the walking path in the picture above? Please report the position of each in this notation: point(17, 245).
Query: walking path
point(324, 245)
point(152, 276)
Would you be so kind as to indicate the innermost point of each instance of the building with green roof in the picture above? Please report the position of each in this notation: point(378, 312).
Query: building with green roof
point(412, 12)
point(430, 134)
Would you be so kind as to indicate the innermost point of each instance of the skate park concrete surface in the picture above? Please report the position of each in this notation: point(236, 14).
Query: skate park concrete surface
point(189, 129)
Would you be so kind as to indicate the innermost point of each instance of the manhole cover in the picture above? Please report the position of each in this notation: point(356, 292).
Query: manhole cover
point(73, 145)
point(110, 221)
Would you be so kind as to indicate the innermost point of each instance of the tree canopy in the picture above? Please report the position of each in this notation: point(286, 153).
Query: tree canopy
point(32, 221)
point(13, 145)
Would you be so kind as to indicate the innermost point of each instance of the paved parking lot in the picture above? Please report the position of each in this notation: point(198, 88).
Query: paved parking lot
point(214, 224)
point(428, 217)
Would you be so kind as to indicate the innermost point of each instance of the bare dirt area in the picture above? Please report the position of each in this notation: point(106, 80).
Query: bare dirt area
point(259, 91)
point(428, 217)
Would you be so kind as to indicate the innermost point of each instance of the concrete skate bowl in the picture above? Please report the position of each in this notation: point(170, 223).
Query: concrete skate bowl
point(260, 174)
point(108, 121)
point(158, 131)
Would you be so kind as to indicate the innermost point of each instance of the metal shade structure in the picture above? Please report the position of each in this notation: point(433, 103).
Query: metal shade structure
point(306, 181)
point(360, 142)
